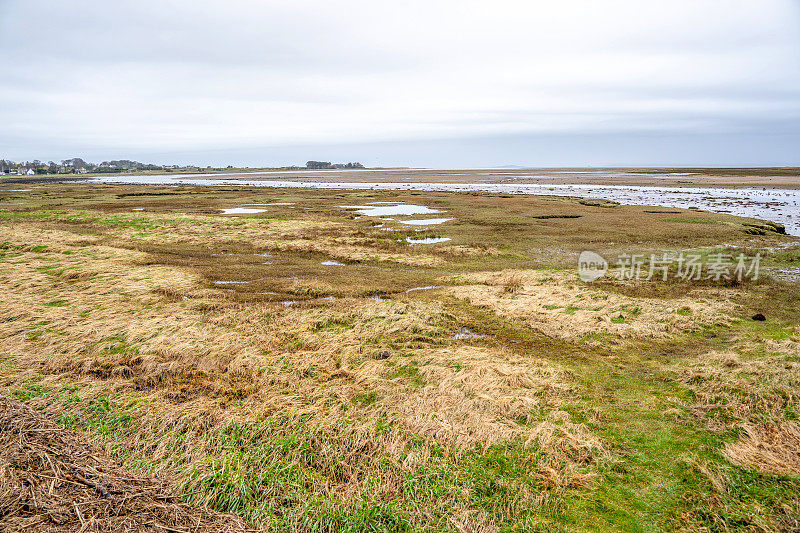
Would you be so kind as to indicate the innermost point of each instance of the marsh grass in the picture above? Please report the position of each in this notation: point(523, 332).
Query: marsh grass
point(643, 406)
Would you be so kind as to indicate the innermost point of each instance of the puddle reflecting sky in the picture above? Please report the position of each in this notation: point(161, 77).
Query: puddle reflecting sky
point(464, 334)
point(391, 210)
point(425, 221)
point(242, 211)
point(427, 240)
point(425, 288)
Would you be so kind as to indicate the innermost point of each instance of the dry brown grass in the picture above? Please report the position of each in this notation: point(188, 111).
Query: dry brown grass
point(472, 522)
point(744, 388)
point(343, 250)
point(559, 305)
point(293, 235)
point(208, 345)
point(197, 357)
point(772, 447)
point(751, 395)
point(512, 282)
point(463, 250)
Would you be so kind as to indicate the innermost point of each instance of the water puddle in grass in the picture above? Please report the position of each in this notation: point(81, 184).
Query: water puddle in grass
point(331, 262)
point(464, 334)
point(427, 240)
point(288, 303)
point(137, 209)
point(19, 190)
point(272, 203)
point(425, 221)
point(784, 274)
point(391, 210)
point(425, 288)
point(380, 299)
point(779, 246)
point(222, 282)
point(242, 211)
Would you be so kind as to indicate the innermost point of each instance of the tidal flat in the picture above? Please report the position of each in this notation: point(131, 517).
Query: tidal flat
point(385, 370)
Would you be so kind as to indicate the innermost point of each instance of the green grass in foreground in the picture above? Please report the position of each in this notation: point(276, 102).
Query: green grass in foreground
point(666, 471)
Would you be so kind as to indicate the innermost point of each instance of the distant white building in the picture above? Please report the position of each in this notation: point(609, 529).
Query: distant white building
point(30, 172)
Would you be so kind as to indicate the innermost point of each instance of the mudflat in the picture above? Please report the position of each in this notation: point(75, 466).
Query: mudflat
point(778, 177)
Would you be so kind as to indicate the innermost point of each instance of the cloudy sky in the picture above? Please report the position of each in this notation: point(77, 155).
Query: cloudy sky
point(444, 83)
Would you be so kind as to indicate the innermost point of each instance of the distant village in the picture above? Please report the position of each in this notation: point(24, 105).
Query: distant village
point(79, 166)
point(73, 166)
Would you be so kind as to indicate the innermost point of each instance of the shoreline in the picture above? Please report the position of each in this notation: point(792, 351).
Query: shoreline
point(777, 178)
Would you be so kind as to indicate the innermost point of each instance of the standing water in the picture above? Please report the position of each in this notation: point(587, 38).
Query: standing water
point(776, 205)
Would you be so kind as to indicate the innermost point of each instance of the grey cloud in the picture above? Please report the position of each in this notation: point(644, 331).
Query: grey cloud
point(197, 77)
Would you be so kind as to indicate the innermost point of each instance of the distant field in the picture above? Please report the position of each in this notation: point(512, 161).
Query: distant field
point(307, 367)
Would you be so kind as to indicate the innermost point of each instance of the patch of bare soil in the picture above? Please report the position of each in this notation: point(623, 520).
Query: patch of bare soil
point(50, 480)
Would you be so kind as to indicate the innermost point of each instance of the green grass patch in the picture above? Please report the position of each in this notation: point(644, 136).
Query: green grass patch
point(409, 373)
point(366, 398)
point(29, 392)
point(691, 220)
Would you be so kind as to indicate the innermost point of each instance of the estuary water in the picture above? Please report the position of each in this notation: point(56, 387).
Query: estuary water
point(773, 204)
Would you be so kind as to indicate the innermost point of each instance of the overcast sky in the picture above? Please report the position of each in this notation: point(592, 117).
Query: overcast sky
point(444, 83)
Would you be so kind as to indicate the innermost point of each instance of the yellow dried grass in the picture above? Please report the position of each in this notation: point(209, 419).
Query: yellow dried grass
point(271, 357)
point(773, 448)
point(559, 305)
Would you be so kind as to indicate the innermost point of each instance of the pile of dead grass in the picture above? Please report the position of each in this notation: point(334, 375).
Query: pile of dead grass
point(52, 481)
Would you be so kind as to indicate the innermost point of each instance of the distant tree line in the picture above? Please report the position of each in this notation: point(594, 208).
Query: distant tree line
point(316, 165)
point(76, 165)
